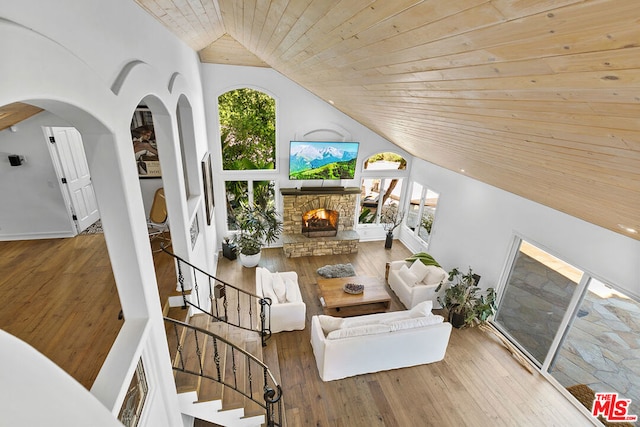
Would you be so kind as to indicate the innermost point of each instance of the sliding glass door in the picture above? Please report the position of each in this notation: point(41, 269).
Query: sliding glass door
point(535, 300)
point(575, 328)
point(601, 348)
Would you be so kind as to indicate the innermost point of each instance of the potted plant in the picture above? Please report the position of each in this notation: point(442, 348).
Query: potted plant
point(257, 226)
point(464, 301)
point(390, 218)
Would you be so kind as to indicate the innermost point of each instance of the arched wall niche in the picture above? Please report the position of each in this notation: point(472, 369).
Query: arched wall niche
point(323, 132)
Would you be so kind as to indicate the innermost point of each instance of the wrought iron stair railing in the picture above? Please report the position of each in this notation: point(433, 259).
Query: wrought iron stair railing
point(219, 360)
point(229, 303)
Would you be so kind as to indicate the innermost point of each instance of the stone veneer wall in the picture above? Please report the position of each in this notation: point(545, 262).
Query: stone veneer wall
point(295, 244)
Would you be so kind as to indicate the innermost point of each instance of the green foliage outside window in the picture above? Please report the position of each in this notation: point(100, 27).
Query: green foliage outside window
point(247, 130)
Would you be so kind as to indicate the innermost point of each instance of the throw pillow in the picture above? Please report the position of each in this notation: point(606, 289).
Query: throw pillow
point(377, 328)
point(434, 276)
point(329, 323)
point(419, 269)
point(267, 287)
point(424, 257)
point(416, 322)
point(421, 309)
point(292, 290)
point(279, 287)
point(407, 277)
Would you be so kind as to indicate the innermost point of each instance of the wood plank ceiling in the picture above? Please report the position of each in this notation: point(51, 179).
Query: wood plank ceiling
point(538, 97)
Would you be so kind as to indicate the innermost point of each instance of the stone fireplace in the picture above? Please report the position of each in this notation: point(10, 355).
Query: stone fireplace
point(319, 221)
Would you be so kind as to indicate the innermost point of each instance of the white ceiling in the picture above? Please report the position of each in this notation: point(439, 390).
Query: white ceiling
point(538, 97)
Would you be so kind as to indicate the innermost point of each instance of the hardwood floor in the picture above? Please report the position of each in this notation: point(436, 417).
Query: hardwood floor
point(478, 383)
point(59, 296)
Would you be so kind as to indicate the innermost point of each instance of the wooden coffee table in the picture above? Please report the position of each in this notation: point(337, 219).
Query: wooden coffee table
point(336, 302)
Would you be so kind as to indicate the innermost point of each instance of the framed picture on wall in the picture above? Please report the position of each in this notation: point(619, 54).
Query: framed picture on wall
point(194, 231)
point(134, 399)
point(207, 181)
point(144, 144)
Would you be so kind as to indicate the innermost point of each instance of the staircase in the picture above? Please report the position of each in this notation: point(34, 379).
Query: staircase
point(217, 356)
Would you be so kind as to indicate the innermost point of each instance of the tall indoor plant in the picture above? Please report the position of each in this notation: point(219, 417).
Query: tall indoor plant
point(257, 226)
point(464, 300)
point(391, 218)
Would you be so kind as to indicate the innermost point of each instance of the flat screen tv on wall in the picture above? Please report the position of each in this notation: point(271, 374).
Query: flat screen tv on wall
point(322, 160)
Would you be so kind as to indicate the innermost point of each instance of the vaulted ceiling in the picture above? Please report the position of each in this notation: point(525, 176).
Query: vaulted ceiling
point(538, 97)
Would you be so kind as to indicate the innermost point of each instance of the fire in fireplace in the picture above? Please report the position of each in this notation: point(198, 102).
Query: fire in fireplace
point(320, 222)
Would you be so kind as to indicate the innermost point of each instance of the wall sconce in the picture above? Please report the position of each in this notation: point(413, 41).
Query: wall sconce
point(15, 160)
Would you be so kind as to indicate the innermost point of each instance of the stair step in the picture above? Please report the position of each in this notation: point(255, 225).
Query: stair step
point(189, 359)
point(234, 373)
point(210, 389)
point(255, 387)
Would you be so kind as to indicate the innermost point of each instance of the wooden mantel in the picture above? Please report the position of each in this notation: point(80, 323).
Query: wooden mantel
point(318, 190)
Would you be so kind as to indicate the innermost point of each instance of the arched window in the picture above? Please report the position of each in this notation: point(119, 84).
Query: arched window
point(247, 130)
point(385, 161)
point(248, 138)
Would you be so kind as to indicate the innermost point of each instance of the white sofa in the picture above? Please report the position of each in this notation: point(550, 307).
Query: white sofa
point(377, 342)
point(414, 282)
point(288, 310)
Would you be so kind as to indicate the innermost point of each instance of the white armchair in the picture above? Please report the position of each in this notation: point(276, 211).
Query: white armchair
point(288, 310)
point(413, 285)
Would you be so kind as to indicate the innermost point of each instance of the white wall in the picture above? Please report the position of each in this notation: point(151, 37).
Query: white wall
point(33, 206)
point(297, 111)
point(67, 56)
point(476, 223)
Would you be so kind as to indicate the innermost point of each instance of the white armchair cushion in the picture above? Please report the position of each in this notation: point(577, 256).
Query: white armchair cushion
point(376, 328)
point(409, 278)
point(434, 276)
point(419, 270)
point(279, 287)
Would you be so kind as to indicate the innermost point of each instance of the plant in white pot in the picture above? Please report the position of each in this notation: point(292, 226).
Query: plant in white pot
point(257, 226)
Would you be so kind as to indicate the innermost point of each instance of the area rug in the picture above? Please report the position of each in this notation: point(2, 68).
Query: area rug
point(336, 270)
point(94, 228)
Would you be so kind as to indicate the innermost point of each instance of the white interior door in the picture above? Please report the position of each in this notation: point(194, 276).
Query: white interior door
point(70, 161)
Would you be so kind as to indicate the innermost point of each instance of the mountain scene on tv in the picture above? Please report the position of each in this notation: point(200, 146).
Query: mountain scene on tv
point(323, 160)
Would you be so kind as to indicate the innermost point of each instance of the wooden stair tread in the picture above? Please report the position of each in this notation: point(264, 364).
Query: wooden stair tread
point(255, 387)
point(189, 359)
point(230, 398)
point(210, 389)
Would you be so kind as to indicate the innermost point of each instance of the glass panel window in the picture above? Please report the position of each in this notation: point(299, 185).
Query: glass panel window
point(236, 192)
point(422, 211)
point(264, 193)
point(601, 348)
point(376, 194)
point(247, 130)
point(258, 193)
point(538, 293)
